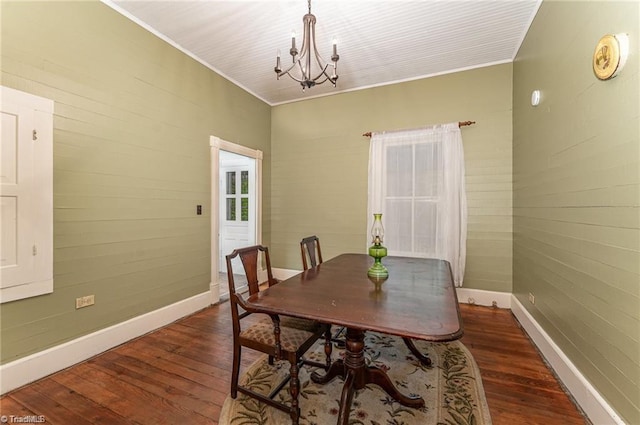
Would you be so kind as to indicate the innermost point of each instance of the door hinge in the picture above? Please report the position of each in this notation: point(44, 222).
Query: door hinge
point(35, 250)
point(35, 134)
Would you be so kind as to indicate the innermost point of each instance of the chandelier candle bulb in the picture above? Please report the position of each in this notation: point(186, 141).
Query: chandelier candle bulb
point(277, 69)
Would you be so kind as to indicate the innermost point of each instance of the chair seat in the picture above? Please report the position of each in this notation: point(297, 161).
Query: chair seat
point(291, 339)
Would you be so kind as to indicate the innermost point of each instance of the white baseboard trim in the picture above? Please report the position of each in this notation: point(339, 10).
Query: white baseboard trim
point(35, 366)
point(214, 290)
point(282, 274)
point(586, 396)
point(482, 297)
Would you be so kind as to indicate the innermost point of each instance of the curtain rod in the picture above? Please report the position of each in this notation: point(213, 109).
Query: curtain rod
point(460, 124)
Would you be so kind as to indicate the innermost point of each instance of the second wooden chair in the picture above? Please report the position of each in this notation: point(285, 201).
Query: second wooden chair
point(311, 257)
point(310, 248)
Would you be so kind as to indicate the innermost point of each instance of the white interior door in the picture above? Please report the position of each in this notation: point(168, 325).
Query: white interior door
point(237, 206)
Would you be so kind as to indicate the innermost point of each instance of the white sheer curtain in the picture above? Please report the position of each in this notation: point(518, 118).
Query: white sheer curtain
point(416, 180)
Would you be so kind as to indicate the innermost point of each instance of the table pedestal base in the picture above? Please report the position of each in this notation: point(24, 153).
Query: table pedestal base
point(356, 375)
point(422, 358)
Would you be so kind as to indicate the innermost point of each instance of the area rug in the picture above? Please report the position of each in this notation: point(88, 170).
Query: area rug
point(451, 387)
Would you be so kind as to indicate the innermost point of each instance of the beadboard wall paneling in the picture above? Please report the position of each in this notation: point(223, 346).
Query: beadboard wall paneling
point(320, 162)
point(132, 122)
point(576, 162)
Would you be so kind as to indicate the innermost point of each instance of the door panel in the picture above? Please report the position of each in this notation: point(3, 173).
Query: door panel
point(237, 208)
point(16, 177)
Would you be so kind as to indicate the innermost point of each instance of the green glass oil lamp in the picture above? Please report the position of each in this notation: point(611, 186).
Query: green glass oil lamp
point(377, 251)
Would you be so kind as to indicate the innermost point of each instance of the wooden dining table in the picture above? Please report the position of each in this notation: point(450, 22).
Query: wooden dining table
point(417, 301)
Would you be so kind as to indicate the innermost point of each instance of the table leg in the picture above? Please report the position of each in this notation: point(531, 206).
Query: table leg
point(423, 358)
point(357, 375)
point(336, 369)
point(381, 379)
point(348, 391)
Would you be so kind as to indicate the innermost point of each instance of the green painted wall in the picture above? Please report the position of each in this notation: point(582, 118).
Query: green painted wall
point(320, 161)
point(132, 121)
point(577, 194)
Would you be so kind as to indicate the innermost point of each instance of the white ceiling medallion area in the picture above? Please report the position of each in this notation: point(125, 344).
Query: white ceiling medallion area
point(381, 41)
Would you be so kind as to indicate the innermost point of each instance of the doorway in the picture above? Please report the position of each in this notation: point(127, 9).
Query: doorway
point(236, 214)
point(237, 209)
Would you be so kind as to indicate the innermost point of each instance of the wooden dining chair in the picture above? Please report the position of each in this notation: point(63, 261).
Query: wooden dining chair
point(310, 248)
point(311, 257)
point(285, 338)
point(251, 254)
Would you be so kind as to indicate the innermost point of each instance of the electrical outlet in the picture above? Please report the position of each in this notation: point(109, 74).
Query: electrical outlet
point(85, 301)
point(532, 298)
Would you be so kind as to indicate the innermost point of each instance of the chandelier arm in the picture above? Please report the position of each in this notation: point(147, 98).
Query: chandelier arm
point(288, 71)
point(321, 81)
point(316, 53)
point(304, 76)
point(322, 64)
point(327, 77)
point(304, 50)
point(309, 43)
point(292, 76)
point(322, 72)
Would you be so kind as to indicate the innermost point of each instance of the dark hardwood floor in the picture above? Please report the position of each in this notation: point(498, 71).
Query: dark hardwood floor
point(180, 375)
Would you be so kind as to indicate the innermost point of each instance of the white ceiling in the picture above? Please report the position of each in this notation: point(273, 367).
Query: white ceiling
point(379, 41)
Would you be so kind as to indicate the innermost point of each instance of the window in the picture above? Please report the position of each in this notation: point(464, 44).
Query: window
point(232, 197)
point(231, 200)
point(416, 180)
point(411, 197)
point(26, 195)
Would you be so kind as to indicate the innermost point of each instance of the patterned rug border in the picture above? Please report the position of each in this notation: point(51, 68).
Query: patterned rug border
point(483, 416)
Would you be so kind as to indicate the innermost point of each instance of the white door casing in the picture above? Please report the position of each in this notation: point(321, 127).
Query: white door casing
point(216, 145)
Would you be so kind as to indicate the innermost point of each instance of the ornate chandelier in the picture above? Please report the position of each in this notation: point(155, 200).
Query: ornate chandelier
point(308, 68)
